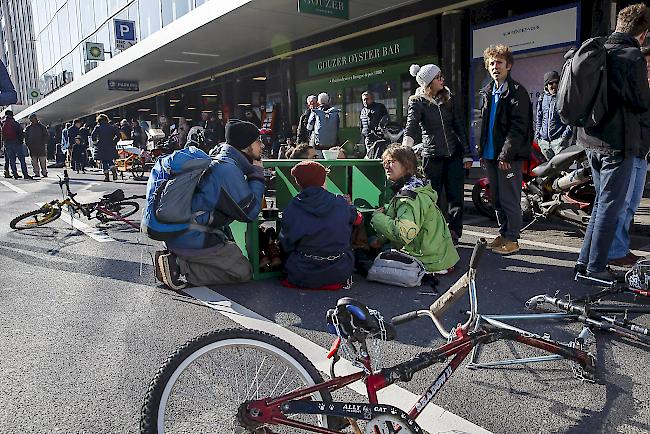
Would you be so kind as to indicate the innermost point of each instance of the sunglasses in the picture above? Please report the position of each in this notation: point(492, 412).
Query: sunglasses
point(554, 82)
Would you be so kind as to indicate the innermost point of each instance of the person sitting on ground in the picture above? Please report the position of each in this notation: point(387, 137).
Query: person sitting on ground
point(412, 221)
point(316, 232)
point(231, 189)
point(302, 152)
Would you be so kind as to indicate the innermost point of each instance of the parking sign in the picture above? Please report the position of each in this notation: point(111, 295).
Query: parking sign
point(124, 34)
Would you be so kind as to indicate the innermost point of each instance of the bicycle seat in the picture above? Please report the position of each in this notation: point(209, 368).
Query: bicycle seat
point(356, 322)
point(115, 196)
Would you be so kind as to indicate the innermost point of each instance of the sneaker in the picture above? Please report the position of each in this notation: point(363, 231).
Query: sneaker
point(170, 272)
point(497, 242)
point(156, 267)
point(626, 261)
point(507, 248)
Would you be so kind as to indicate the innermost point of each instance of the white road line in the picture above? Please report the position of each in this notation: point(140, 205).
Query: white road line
point(92, 232)
point(13, 187)
point(434, 419)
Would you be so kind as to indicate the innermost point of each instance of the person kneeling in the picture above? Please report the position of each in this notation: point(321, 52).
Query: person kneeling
point(316, 232)
point(230, 189)
point(412, 222)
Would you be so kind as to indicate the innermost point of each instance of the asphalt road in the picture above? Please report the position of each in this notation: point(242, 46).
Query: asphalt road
point(83, 331)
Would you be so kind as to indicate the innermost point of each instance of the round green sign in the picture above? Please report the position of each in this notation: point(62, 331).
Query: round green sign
point(95, 51)
point(35, 94)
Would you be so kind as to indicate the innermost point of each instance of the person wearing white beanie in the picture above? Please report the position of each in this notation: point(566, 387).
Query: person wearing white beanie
point(445, 148)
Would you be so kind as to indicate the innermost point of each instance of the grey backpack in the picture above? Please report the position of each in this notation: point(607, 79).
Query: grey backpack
point(397, 268)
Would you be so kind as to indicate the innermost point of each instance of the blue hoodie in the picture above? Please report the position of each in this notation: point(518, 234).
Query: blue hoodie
point(316, 233)
point(230, 176)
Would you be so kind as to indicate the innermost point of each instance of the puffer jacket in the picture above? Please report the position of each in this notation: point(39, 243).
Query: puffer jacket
point(413, 223)
point(231, 189)
point(548, 125)
point(628, 96)
point(316, 233)
point(443, 130)
point(513, 127)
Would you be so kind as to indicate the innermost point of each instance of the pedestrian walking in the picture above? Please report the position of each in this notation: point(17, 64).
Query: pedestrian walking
point(106, 137)
point(506, 139)
point(36, 139)
point(445, 151)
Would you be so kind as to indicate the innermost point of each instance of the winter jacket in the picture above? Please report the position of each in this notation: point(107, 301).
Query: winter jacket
point(324, 122)
point(443, 130)
point(628, 96)
point(8, 93)
point(413, 223)
point(316, 234)
point(231, 189)
point(369, 119)
point(303, 132)
point(513, 127)
point(36, 138)
point(84, 132)
point(18, 131)
point(106, 136)
point(548, 125)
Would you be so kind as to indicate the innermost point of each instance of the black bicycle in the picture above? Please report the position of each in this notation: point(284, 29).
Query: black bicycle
point(111, 207)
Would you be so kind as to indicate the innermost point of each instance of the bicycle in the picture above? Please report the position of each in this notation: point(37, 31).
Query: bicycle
point(111, 207)
point(247, 381)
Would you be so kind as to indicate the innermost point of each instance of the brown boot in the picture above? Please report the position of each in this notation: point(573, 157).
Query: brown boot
point(497, 242)
point(507, 248)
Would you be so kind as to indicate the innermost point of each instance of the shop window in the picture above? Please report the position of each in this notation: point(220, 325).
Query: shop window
point(408, 89)
point(384, 92)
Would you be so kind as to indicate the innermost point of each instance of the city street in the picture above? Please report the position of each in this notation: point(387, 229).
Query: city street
point(85, 326)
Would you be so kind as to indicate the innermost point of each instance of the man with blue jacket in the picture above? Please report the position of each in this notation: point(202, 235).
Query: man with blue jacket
point(551, 134)
point(230, 189)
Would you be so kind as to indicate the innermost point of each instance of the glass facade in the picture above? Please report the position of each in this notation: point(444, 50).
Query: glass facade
point(61, 28)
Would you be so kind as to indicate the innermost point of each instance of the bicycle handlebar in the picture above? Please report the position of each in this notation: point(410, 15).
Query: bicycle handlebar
point(479, 248)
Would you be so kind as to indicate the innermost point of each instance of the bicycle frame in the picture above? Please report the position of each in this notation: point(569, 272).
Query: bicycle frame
point(463, 339)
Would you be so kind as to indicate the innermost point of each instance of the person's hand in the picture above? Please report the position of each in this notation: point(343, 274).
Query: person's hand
point(258, 163)
point(379, 210)
point(348, 199)
point(504, 165)
point(467, 165)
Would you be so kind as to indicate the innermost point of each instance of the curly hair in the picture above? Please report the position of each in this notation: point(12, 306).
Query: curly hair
point(498, 51)
point(404, 155)
point(633, 20)
point(102, 118)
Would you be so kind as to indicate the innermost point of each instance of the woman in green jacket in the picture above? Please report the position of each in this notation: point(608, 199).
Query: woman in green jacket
point(412, 222)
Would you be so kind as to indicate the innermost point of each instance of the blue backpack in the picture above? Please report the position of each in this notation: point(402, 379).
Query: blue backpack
point(170, 189)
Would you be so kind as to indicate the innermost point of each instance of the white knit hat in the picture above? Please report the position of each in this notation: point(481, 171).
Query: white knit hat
point(425, 74)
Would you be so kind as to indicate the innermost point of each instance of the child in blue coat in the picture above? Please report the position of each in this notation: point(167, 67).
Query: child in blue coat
point(316, 232)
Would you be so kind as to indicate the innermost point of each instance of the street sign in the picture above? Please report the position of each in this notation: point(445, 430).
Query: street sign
point(327, 8)
point(34, 94)
point(127, 85)
point(94, 51)
point(124, 34)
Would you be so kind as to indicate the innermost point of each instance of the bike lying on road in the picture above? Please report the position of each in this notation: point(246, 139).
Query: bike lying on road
point(246, 381)
point(111, 207)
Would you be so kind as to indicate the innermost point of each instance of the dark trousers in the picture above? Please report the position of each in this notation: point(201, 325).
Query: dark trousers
point(14, 149)
point(611, 175)
point(447, 174)
point(505, 194)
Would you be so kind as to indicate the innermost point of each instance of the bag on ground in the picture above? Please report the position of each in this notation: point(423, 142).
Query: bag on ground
point(397, 268)
point(582, 92)
point(170, 188)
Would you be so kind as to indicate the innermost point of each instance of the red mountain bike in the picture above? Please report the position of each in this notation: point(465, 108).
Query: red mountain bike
point(245, 381)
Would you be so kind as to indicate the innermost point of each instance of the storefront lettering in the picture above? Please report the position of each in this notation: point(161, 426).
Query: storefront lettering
point(386, 51)
point(357, 76)
point(328, 4)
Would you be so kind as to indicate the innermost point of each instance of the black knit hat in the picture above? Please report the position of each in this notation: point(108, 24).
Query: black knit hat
point(241, 134)
point(550, 76)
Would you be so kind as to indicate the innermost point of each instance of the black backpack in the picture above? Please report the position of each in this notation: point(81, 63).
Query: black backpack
point(582, 93)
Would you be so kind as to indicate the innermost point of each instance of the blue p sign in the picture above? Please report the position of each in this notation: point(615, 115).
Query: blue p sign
point(125, 30)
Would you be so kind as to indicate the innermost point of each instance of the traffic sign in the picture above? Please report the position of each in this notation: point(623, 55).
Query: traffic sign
point(124, 34)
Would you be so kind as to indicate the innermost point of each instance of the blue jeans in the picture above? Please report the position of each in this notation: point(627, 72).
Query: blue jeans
point(621, 244)
point(611, 176)
point(13, 149)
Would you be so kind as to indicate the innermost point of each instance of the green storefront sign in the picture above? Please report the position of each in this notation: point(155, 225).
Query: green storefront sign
point(383, 52)
point(326, 8)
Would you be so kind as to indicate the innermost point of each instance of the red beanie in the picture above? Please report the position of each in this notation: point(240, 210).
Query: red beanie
point(309, 174)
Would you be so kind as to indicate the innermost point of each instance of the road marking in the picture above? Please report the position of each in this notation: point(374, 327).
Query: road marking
point(13, 187)
point(434, 419)
point(92, 232)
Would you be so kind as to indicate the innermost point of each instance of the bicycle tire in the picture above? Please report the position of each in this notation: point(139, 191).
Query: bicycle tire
point(246, 344)
point(49, 215)
point(118, 210)
point(482, 203)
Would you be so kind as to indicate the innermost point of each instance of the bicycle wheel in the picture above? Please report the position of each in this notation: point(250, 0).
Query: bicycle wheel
point(117, 210)
point(201, 387)
point(35, 218)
